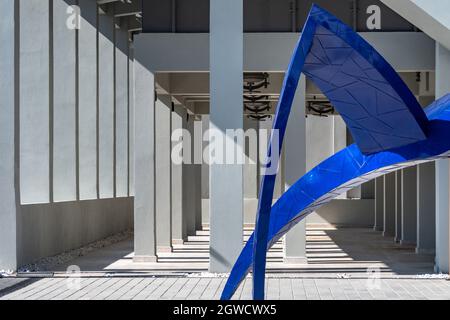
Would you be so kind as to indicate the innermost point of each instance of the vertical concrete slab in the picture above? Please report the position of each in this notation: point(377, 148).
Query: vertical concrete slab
point(426, 208)
point(442, 170)
point(34, 101)
point(8, 203)
point(205, 174)
point(198, 153)
point(188, 191)
point(389, 205)
point(295, 167)
point(178, 232)
point(251, 159)
point(226, 181)
point(64, 104)
point(87, 97)
point(131, 106)
point(163, 173)
point(121, 111)
point(398, 206)
point(144, 132)
point(409, 206)
point(106, 106)
point(379, 204)
point(189, 183)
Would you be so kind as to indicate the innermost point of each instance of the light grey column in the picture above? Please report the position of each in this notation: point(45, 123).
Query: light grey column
point(251, 159)
point(198, 154)
point(409, 206)
point(426, 208)
point(295, 166)
point(87, 96)
point(379, 204)
point(189, 184)
point(178, 232)
point(131, 106)
point(442, 170)
point(121, 111)
point(106, 105)
point(64, 105)
point(163, 167)
point(144, 200)
point(9, 200)
point(34, 101)
point(398, 206)
point(205, 176)
point(226, 181)
point(389, 205)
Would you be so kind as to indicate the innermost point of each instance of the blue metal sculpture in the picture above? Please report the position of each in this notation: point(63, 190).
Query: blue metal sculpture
point(390, 128)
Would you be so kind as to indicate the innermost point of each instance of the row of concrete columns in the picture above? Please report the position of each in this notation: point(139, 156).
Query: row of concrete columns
point(168, 193)
point(405, 202)
point(412, 205)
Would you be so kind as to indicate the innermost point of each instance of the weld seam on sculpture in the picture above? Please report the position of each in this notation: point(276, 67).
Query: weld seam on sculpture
point(383, 144)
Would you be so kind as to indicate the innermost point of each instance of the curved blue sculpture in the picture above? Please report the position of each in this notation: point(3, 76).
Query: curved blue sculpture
point(390, 129)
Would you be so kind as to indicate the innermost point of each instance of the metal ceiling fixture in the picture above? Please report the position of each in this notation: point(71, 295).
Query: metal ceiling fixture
point(320, 108)
point(255, 102)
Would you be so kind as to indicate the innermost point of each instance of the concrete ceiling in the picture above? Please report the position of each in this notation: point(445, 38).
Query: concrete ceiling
point(127, 12)
point(431, 16)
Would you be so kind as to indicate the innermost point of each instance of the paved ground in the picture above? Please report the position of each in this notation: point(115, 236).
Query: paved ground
point(140, 288)
point(330, 252)
point(341, 265)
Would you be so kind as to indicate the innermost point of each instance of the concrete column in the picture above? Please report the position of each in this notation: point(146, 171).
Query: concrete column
point(87, 97)
point(144, 201)
point(106, 106)
point(131, 101)
point(389, 205)
point(34, 94)
point(65, 107)
point(295, 166)
point(409, 206)
point(178, 232)
point(426, 208)
point(189, 183)
point(121, 112)
point(197, 167)
point(205, 176)
point(379, 204)
point(226, 180)
point(442, 170)
point(9, 198)
point(163, 173)
point(398, 206)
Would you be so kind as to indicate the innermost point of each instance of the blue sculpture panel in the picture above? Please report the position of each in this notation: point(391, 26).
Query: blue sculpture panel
point(390, 129)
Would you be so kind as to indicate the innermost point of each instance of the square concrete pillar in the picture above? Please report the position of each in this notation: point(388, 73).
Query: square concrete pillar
point(144, 201)
point(398, 206)
point(226, 112)
point(409, 206)
point(295, 168)
point(189, 179)
point(426, 208)
point(163, 164)
point(9, 197)
point(389, 205)
point(178, 231)
point(379, 204)
point(442, 170)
